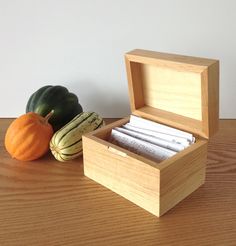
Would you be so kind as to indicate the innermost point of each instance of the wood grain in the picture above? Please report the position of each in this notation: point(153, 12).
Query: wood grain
point(184, 87)
point(46, 202)
point(172, 90)
point(176, 61)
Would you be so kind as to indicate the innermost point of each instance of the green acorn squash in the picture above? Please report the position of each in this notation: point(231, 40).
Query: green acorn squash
point(64, 103)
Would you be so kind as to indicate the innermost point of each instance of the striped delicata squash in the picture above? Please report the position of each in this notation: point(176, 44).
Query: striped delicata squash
point(66, 143)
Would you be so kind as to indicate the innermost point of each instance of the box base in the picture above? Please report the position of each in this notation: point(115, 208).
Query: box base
point(154, 187)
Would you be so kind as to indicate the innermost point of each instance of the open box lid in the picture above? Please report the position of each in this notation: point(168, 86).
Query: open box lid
point(179, 91)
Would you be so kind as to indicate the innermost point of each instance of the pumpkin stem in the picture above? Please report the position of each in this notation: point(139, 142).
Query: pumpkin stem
point(48, 116)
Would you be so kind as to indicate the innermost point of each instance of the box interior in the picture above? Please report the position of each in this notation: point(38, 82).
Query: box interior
point(168, 95)
point(171, 90)
point(105, 133)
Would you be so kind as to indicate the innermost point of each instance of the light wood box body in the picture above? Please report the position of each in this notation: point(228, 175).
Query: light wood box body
point(179, 91)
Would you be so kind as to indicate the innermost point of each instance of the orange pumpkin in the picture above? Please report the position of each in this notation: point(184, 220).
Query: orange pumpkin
point(28, 137)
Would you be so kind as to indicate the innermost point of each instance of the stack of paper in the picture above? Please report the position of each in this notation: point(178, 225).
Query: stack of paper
point(150, 139)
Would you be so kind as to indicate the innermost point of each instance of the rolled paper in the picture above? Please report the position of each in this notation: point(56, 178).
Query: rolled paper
point(140, 147)
point(154, 140)
point(154, 126)
point(164, 136)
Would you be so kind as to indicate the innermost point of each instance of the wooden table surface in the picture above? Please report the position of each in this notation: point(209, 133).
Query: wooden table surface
point(46, 202)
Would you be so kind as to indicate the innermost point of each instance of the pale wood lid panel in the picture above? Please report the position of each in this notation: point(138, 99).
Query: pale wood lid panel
point(176, 90)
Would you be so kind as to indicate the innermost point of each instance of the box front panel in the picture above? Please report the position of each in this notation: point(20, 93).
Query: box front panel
point(183, 176)
point(130, 178)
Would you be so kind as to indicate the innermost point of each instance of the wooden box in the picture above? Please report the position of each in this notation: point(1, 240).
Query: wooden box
point(179, 91)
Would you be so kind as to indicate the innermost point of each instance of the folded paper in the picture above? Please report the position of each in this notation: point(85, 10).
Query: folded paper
point(151, 125)
point(140, 147)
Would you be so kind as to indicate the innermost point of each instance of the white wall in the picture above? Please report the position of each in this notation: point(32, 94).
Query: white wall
point(80, 44)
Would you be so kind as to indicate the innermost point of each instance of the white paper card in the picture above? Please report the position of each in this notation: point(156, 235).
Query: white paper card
point(151, 125)
point(141, 147)
point(164, 136)
point(154, 140)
